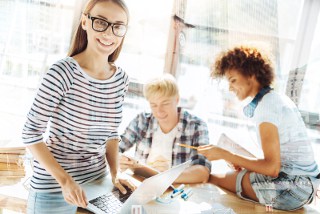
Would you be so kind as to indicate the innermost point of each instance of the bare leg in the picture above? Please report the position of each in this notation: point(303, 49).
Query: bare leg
point(247, 190)
point(228, 181)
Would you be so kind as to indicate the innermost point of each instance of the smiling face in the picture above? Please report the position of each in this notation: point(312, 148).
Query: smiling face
point(164, 109)
point(241, 85)
point(104, 43)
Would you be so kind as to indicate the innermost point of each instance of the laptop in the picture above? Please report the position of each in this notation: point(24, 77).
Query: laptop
point(104, 198)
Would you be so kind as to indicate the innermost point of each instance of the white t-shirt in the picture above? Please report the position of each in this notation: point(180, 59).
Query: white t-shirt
point(297, 155)
point(162, 144)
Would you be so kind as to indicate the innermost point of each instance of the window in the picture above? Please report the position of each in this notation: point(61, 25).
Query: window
point(145, 46)
point(211, 26)
point(310, 89)
point(33, 35)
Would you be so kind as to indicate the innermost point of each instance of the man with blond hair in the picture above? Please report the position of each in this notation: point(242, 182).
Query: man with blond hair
point(159, 134)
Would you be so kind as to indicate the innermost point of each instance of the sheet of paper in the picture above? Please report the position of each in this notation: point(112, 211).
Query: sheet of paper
point(228, 144)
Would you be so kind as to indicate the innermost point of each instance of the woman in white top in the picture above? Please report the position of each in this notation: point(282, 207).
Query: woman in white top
point(286, 177)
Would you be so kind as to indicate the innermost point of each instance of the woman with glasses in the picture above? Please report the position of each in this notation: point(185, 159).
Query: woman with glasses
point(82, 96)
point(287, 176)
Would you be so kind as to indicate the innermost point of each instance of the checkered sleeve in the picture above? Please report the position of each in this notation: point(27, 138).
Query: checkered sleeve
point(200, 138)
point(201, 160)
point(201, 134)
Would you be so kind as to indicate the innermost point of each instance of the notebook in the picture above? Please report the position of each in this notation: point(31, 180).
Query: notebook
point(104, 198)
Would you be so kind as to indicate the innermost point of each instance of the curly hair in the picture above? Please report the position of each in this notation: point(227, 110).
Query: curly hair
point(249, 61)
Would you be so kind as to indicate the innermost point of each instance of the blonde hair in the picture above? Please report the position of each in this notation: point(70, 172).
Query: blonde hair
point(164, 86)
point(80, 41)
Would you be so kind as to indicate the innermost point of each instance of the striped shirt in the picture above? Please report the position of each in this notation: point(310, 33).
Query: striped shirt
point(83, 112)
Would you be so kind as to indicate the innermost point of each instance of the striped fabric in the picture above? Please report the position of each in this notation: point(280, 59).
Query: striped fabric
point(83, 114)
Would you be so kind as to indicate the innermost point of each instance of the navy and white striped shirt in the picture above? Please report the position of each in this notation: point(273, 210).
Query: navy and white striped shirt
point(84, 113)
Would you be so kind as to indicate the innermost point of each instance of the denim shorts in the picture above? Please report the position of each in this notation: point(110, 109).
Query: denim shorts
point(47, 203)
point(286, 192)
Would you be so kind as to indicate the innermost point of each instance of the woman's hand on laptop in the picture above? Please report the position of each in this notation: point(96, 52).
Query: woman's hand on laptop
point(120, 181)
point(73, 193)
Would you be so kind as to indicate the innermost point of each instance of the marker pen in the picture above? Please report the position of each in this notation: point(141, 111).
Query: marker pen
point(186, 194)
point(177, 193)
point(179, 188)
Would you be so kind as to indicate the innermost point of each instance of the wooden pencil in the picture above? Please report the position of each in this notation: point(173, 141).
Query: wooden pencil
point(187, 146)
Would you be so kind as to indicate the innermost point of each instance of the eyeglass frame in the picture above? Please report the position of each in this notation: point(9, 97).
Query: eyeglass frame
point(92, 18)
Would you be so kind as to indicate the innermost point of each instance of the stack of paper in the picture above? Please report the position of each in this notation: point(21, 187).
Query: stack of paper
point(11, 165)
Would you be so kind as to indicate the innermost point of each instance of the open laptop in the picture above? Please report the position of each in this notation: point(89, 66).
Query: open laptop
point(104, 198)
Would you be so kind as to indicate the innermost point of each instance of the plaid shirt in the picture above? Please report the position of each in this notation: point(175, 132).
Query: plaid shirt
point(191, 131)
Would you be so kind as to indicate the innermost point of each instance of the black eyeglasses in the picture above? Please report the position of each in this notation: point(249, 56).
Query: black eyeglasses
point(101, 25)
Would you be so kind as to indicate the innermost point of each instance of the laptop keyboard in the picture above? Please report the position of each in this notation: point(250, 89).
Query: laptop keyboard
point(112, 201)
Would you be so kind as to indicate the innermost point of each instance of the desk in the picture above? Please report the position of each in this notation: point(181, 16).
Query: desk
point(206, 196)
point(13, 200)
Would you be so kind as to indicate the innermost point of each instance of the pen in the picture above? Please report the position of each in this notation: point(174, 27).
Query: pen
point(177, 193)
point(153, 162)
point(186, 194)
point(178, 189)
point(187, 146)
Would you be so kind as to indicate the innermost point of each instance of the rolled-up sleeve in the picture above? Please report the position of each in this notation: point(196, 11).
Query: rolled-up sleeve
point(200, 138)
point(201, 160)
point(53, 87)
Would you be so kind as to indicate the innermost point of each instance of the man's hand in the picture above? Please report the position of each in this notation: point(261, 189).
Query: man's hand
point(127, 163)
point(161, 164)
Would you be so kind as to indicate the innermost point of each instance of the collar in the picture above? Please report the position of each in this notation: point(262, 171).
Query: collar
point(182, 117)
point(248, 110)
